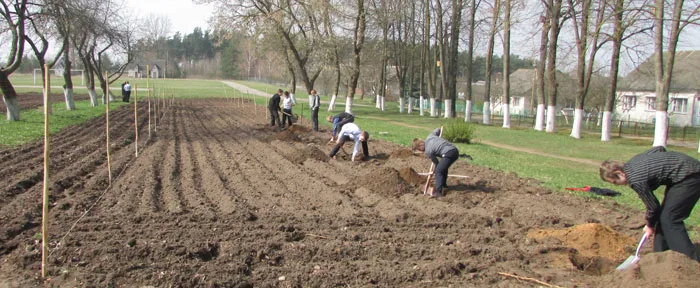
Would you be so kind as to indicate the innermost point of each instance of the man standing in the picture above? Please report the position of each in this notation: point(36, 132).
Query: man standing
point(351, 131)
point(127, 91)
point(644, 173)
point(315, 104)
point(274, 107)
point(338, 122)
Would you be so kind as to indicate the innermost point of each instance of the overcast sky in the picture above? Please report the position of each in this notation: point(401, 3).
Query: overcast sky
point(184, 15)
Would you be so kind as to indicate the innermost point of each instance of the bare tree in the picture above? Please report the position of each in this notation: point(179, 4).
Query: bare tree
point(506, 65)
point(664, 69)
point(357, 43)
point(555, 8)
point(14, 13)
point(489, 58)
point(541, 67)
point(470, 60)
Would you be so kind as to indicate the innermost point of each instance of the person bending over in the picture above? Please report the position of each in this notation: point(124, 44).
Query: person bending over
point(351, 131)
point(644, 173)
point(433, 147)
point(338, 122)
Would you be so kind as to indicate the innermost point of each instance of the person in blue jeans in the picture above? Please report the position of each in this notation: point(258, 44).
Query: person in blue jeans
point(338, 122)
point(435, 147)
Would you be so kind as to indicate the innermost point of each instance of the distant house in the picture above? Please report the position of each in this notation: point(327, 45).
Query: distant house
point(156, 72)
point(135, 71)
point(523, 84)
point(636, 95)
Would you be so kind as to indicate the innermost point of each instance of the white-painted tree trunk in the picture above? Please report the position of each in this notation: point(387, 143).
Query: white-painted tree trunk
point(448, 108)
point(433, 110)
point(410, 105)
point(539, 118)
point(93, 98)
point(607, 126)
point(331, 106)
point(348, 105)
point(600, 119)
point(661, 129)
point(382, 105)
point(551, 119)
point(468, 111)
point(294, 99)
point(578, 123)
point(506, 115)
point(68, 96)
point(12, 108)
point(421, 105)
point(487, 113)
point(378, 102)
point(401, 99)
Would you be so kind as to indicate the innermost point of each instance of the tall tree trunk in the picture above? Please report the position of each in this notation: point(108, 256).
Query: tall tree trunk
point(424, 58)
point(506, 67)
point(618, 32)
point(469, 69)
point(552, 66)
point(67, 68)
point(540, 73)
point(457, 6)
point(9, 95)
point(358, 42)
point(489, 64)
point(664, 72)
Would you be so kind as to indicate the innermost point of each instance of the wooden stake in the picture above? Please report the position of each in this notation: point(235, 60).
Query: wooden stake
point(432, 166)
point(45, 207)
point(109, 164)
point(529, 279)
point(148, 95)
point(136, 120)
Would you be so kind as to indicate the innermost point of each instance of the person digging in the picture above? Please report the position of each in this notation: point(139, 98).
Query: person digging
point(338, 121)
point(433, 147)
point(644, 173)
point(351, 131)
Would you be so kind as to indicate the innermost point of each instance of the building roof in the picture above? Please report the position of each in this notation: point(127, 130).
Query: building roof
point(686, 74)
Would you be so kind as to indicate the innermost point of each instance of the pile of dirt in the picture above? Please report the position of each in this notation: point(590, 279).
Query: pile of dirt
point(401, 153)
point(411, 176)
point(309, 152)
point(664, 269)
point(385, 181)
point(292, 133)
point(590, 240)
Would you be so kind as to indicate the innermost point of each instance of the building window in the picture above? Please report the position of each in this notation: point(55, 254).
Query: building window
point(629, 102)
point(516, 101)
point(651, 103)
point(679, 105)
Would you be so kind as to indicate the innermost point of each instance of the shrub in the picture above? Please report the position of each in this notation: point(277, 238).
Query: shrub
point(457, 131)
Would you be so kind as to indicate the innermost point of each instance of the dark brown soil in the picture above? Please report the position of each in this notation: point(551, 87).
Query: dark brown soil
point(218, 199)
point(33, 100)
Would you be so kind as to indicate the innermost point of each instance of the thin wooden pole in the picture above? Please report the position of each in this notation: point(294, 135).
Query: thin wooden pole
point(109, 163)
point(148, 95)
point(45, 208)
point(136, 120)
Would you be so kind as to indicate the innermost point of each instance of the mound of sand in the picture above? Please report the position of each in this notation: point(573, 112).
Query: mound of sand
point(590, 240)
point(401, 153)
point(386, 181)
point(292, 133)
point(309, 152)
point(411, 176)
point(663, 269)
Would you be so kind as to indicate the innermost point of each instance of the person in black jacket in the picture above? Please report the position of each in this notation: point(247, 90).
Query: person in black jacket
point(274, 107)
point(338, 121)
point(435, 146)
point(644, 173)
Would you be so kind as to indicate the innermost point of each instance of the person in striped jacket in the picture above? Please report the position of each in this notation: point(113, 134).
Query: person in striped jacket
point(644, 173)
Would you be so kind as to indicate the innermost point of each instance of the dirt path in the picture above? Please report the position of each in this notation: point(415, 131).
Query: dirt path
point(215, 199)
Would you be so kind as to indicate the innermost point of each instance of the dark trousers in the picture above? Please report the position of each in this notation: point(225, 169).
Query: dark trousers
point(679, 200)
point(126, 96)
point(441, 170)
point(286, 116)
point(275, 117)
point(341, 142)
point(314, 119)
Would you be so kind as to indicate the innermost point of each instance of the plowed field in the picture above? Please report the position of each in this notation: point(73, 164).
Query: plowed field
point(218, 199)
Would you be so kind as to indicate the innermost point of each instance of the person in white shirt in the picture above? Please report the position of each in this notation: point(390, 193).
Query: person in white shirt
point(127, 91)
point(315, 104)
point(351, 131)
point(287, 105)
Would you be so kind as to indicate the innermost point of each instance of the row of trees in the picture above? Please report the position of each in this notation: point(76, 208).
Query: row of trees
point(420, 41)
point(88, 30)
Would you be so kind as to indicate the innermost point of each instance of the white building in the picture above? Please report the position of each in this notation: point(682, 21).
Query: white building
point(636, 95)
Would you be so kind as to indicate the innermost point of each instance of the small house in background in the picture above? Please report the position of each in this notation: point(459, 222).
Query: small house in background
point(156, 72)
point(636, 93)
point(523, 86)
point(135, 71)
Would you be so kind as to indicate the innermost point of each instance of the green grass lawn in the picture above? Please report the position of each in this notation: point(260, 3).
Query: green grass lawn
point(554, 173)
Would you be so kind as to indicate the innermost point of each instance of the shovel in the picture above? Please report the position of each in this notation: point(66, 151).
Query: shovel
point(633, 259)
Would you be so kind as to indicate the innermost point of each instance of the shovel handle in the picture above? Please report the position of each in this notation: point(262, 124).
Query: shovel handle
point(641, 243)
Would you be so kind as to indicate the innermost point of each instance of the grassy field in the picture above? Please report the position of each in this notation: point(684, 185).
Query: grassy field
point(554, 173)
